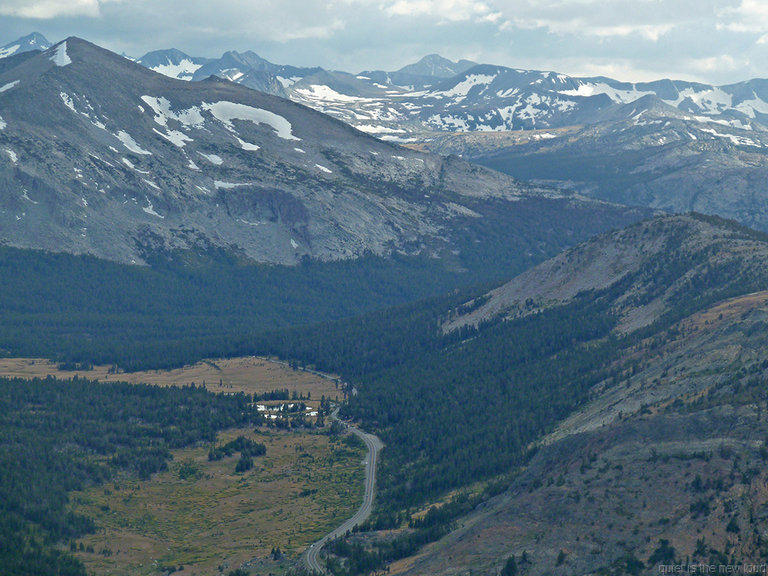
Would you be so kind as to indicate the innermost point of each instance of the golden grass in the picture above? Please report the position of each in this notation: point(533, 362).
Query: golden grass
point(727, 310)
point(299, 491)
point(247, 374)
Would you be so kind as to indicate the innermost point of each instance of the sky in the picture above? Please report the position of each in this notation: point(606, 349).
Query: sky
point(711, 41)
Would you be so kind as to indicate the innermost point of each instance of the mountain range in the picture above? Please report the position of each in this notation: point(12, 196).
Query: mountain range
point(436, 94)
point(670, 145)
point(31, 42)
point(100, 155)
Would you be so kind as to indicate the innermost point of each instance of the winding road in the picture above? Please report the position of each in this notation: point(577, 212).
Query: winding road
point(312, 554)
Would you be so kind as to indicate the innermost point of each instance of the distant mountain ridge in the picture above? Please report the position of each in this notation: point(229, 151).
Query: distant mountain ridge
point(34, 41)
point(666, 144)
point(436, 93)
point(115, 160)
point(173, 63)
point(670, 145)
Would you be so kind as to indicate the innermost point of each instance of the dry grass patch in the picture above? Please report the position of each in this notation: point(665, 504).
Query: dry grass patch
point(203, 516)
point(247, 374)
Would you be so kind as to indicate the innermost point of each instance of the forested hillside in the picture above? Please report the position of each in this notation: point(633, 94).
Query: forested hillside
point(194, 304)
point(467, 404)
point(59, 436)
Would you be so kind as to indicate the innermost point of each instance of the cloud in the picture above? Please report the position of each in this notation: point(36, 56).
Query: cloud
point(750, 16)
point(647, 19)
point(47, 9)
point(442, 10)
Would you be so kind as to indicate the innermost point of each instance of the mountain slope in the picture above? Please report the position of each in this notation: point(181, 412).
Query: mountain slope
point(638, 264)
point(647, 154)
point(100, 155)
point(673, 451)
point(621, 402)
point(668, 144)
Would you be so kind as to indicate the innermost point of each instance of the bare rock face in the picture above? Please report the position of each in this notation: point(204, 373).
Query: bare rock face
point(100, 155)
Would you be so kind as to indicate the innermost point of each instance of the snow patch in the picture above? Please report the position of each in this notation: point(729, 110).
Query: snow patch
point(463, 210)
point(710, 100)
point(299, 150)
point(174, 137)
point(150, 209)
point(226, 112)
point(133, 167)
point(67, 101)
point(325, 94)
point(370, 129)
point(9, 85)
point(624, 96)
point(737, 140)
point(12, 155)
point(190, 117)
point(10, 51)
point(294, 244)
point(3, 125)
point(60, 57)
point(212, 158)
point(130, 143)
point(182, 71)
point(226, 185)
point(247, 145)
point(288, 82)
point(323, 168)
point(748, 107)
point(461, 90)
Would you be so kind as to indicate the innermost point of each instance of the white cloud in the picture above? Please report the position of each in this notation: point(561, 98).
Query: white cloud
point(648, 19)
point(47, 9)
point(441, 10)
point(724, 62)
point(748, 16)
point(319, 31)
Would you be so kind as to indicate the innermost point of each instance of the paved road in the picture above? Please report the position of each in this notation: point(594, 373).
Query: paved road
point(311, 555)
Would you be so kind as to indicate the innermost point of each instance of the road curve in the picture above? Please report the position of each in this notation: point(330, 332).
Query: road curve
point(312, 554)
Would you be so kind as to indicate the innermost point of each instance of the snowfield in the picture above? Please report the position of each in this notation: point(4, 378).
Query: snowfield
point(226, 112)
point(60, 56)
